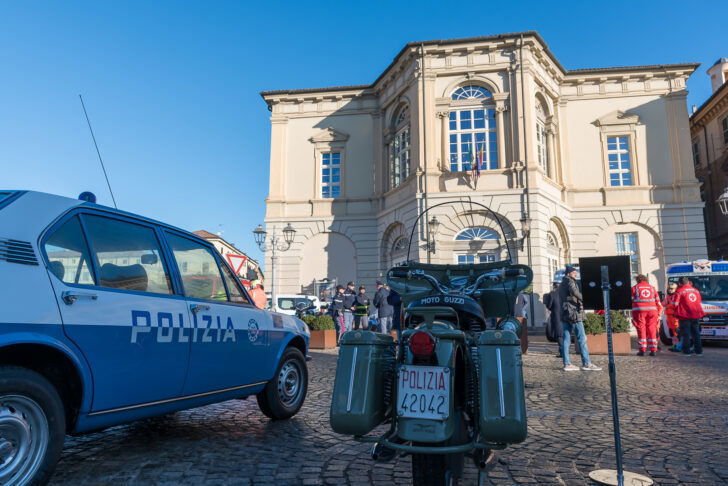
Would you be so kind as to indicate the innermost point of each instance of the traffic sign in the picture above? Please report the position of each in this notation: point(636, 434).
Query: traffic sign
point(237, 262)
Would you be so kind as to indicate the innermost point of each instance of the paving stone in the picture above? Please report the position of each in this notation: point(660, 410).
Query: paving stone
point(674, 420)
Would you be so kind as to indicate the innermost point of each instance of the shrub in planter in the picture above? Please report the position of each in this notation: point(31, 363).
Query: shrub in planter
point(596, 324)
point(320, 323)
point(596, 337)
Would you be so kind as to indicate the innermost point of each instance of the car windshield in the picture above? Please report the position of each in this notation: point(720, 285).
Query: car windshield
point(289, 303)
point(711, 287)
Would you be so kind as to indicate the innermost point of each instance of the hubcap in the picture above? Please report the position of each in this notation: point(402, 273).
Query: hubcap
point(289, 383)
point(23, 439)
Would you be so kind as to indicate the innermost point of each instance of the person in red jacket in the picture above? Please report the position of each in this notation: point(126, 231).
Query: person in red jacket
point(688, 310)
point(672, 323)
point(646, 308)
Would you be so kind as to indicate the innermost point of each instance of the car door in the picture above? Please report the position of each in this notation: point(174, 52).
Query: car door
point(117, 302)
point(229, 345)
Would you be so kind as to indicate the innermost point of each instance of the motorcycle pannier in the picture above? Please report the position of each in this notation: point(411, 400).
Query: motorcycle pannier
point(362, 387)
point(502, 399)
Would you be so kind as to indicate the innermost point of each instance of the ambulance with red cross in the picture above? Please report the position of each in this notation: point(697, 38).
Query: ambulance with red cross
point(710, 277)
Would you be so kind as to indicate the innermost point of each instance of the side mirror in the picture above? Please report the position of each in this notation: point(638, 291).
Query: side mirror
point(302, 306)
point(149, 259)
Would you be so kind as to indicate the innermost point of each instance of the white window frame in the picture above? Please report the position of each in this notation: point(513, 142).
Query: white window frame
point(333, 170)
point(628, 243)
point(696, 153)
point(400, 156)
point(476, 257)
point(456, 134)
point(619, 152)
point(542, 147)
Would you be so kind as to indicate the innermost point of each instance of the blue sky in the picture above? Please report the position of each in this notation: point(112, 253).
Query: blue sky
point(172, 87)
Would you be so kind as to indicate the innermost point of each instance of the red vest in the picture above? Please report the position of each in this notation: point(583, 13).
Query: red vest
point(688, 303)
point(669, 303)
point(645, 298)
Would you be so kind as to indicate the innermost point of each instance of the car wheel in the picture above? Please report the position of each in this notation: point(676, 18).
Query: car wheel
point(666, 340)
point(283, 396)
point(32, 427)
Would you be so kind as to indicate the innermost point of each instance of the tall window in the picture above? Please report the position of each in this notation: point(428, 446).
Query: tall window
point(696, 154)
point(473, 130)
point(331, 175)
point(552, 254)
point(725, 130)
point(399, 151)
point(628, 244)
point(620, 161)
point(542, 148)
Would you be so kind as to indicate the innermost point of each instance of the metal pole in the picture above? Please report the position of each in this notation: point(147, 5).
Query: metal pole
point(424, 148)
point(273, 245)
point(529, 250)
point(606, 288)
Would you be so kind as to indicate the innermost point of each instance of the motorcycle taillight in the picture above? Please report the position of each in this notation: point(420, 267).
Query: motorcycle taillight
point(422, 344)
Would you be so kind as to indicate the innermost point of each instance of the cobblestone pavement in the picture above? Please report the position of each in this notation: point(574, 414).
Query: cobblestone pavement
point(674, 414)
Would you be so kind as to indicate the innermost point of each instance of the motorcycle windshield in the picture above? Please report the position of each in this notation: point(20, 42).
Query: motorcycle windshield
point(496, 296)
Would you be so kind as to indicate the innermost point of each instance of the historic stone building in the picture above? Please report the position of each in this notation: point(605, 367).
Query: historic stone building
point(583, 162)
point(709, 132)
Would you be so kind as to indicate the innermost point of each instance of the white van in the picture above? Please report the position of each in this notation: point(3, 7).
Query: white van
point(287, 303)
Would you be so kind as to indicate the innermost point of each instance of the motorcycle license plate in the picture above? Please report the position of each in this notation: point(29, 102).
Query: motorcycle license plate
point(423, 392)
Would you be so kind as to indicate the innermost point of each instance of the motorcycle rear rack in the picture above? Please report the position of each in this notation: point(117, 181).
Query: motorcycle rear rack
point(412, 449)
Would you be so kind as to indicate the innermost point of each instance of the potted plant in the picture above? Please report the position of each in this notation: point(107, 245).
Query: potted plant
point(323, 333)
point(596, 333)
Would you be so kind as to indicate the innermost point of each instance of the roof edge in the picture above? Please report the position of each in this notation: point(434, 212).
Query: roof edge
point(718, 92)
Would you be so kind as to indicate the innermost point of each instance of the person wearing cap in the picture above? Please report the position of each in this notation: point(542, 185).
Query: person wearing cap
point(361, 309)
point(337, 310)
point(349, 297)
point(385, 311)
point(258, 294)
point(572, 317)
point(672, 323)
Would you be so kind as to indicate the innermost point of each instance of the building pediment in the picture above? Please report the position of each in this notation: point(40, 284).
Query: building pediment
point(328, 135)
point(617, 117)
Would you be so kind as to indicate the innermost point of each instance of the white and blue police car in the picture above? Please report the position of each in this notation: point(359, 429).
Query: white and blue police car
point(108, 317)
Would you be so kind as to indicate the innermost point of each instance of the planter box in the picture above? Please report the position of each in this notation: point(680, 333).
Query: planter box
point(597, 343)
point(323, 339)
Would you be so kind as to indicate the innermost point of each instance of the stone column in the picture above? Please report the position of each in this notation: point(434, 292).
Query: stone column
point(444, 117)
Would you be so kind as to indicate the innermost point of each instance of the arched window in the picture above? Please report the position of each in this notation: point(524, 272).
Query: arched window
point(399, 149)
point(552, 254)
point(473, 136)
point(399, 250)
point(542, 141)
point(477, 233)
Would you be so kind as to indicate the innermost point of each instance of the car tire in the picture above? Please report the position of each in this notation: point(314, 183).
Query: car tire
point(666, 340)
point(33, 422)
point(284, 395)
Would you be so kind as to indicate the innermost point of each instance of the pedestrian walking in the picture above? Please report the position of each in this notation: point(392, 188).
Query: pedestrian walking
point(521, 307)
point(337, 310)
point(572, 318)
point(361, 309)
point(673, 325)
point(552, 301)
point(646, 308)
point(349, 298)
point(385, 310)
point(688, 310)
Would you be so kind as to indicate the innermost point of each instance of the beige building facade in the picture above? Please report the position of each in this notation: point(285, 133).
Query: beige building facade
point(709, 132)
point(583, 162)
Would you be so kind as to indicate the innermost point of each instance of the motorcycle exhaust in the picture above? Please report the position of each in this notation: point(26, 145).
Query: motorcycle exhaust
point(381, 453)
point(485, 461)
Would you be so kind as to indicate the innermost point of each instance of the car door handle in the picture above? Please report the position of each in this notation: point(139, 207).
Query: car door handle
point(71, 296)
point(195, 308)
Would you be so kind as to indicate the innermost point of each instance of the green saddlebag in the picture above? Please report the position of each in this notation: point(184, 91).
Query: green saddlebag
point(363, 383)
point(502, 397)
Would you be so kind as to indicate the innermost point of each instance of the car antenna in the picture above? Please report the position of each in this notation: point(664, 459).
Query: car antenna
point(97, 151)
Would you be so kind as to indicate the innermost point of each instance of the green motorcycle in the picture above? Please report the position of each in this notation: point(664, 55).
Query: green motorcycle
point(448, 387)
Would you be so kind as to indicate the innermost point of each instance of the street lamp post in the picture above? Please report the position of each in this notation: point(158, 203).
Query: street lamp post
point(273, 244)
point(432, 224)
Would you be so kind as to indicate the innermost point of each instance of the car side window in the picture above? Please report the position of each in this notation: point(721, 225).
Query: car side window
point(236, 294)
point(129, 256)
point(68, 256)
point(201, 277)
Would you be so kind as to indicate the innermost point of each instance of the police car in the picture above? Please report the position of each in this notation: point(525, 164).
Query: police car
point(108, 317)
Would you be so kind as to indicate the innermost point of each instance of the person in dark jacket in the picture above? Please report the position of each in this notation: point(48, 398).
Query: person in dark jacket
point(395, 301)
point(349, 297)
point(553, 304)
point(384, 308)
point(361, 309)
point(337, 309)
point(689, 310)
point(572, 318)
